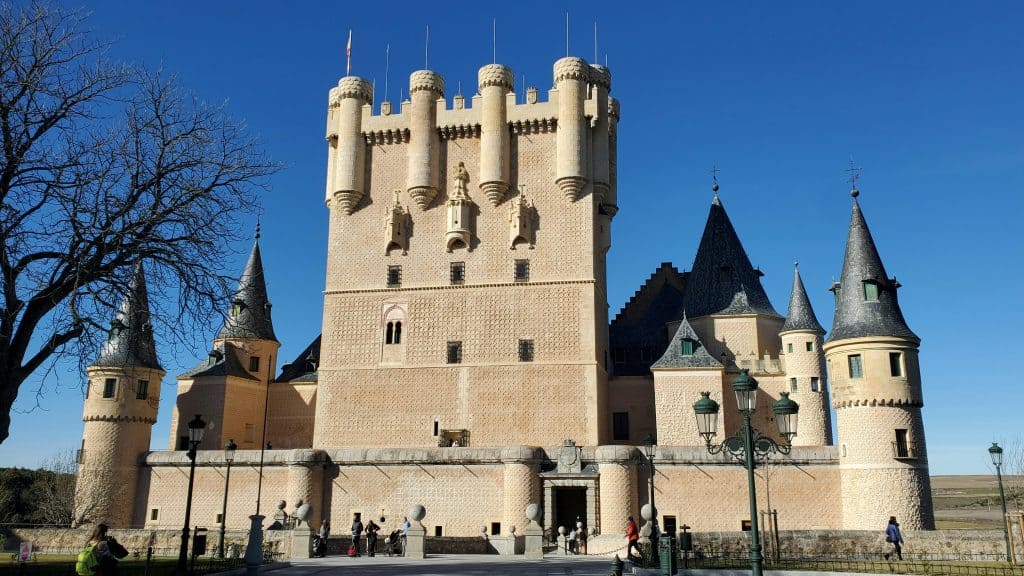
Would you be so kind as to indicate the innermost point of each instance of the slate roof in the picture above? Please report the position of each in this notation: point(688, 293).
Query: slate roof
point(253, 318)
point(855, 317)
point(303, 368)
point(130, 342)
point(801, 315)
point(641, 324)
point(224, 360)
point(722, 280)
point(673, 357)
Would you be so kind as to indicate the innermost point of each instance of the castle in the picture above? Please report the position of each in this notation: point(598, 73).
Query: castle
point(466, 338)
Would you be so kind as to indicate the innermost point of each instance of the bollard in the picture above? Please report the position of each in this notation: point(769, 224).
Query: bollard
point(616, 569)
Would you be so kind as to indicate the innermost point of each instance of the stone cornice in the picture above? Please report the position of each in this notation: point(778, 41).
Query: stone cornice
point(457, 287)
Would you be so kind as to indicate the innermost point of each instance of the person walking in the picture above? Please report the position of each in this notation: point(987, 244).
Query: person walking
point(371, 538)
point(893, 536)
point(405, 532)
point(633, 537)
point(357, 531)
point(325, 531)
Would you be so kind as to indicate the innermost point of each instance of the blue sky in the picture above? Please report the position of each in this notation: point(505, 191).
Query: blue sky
point(926, 96)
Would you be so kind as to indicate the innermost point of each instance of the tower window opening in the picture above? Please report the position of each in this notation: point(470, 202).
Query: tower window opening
point(110, 387)
point(526, 350)
point(438, 531)
point(620, 425)
point(870, 292)
point(389, 334)
point(254, 364)
point(856, 368)
point(522, 270)
point(901, 447)
point(394, 276)
point(815, 384)
point(810, 346)
point(789, 347)
point(792, 384)
point(458, 273)
point(88, 385)
point(154, 514)
point(398, 333)
point(455, 352)
point(437, 427)
point(896, 364)
point(142, 391)
point(495, 528)
point(687, 347)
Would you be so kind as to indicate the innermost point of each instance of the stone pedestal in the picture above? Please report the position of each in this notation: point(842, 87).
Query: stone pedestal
point(415, 541)
point(533, 535)
point(302, 542)
point(254, 548)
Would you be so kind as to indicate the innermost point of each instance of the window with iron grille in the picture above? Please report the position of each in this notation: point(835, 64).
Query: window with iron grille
point(142, 392)
point(458, 272)
point(901, 447)
point(526, 350)
point(455, 352)
point(522, 270)
point(110, 387)
point(394, 276)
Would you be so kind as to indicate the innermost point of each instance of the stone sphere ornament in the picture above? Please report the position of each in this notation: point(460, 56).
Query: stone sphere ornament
point(533, 512)
point(561, 530)
point(647, 512)
point(418, 512)
point(281, 505)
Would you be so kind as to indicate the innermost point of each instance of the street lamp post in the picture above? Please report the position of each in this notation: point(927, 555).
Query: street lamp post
point(650, 448)
point(997, 459)
point(748, 444)
point(229, 457)
point(196, 428)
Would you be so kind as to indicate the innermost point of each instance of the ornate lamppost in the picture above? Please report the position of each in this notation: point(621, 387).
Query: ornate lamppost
point(748, 444)
point(196, 429)
point(229, 457)
point(650, 448)
point(997, 459)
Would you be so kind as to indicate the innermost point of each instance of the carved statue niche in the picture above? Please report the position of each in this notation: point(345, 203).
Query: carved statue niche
point(520, 220)
point(396, 228)
point(460, 212)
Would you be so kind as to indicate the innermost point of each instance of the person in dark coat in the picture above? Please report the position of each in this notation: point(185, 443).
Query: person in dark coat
point(371, 538)
point(357, 532)
point(893, 536)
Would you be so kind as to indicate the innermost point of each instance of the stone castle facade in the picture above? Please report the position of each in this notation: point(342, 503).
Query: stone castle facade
point(467, 362)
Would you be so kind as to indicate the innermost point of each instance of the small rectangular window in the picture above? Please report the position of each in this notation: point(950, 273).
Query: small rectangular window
point(687, 346)
point(522, 270)
point(792, 384)
point(142, 392)
point(810, 346)
point(620, 425)
point(870, 292)
point(789, 347)
point(814, 384)
point(254, 364)
point(455, 352)
point(856, 369)
point(219, 518)
point(526, 350)
point(154, 514)
point(438, 531)
point(394, 276)
point(110, 388)
point(896, 364)
point(437, 427)
point(458, 272)
point(495, 528)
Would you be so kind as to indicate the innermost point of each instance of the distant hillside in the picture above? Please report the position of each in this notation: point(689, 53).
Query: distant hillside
point(972, 502)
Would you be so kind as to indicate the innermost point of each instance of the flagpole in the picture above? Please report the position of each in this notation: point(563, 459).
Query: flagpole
point(348, 54)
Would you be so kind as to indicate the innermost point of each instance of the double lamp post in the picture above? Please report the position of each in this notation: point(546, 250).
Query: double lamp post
point(748, 444)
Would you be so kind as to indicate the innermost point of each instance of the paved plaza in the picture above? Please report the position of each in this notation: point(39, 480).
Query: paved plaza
point(447, 564)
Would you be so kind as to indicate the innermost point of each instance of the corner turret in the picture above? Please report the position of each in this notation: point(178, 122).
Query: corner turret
point(346, 162)
point(425, 88)
point(571, 77)
point(495, 82)
point(801, 337)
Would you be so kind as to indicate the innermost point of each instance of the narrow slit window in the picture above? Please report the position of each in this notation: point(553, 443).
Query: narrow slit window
point(789, 347)
point(815, 383)
point(792, 384)
point(455, 352)
point(389, 333)
point(109, 387)
point(142, 392)
point(398, 333)
point(896, 364)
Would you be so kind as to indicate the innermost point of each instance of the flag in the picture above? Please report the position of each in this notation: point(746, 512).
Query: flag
point(348, 54)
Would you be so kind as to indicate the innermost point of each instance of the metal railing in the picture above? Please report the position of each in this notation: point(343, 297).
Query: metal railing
point(909, 565)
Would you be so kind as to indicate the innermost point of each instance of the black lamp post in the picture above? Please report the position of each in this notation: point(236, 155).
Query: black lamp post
point(196, 429)
point(747, 445)
point(650, 448)
point(229, 457)
point(997, 458)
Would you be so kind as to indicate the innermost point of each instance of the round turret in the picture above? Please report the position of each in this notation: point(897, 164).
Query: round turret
point(600, 141)
point(571, 77)
point(347, 152)
point(425, 87)
point(495, 81)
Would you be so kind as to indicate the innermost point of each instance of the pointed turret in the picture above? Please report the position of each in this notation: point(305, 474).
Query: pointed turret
point(250, 308)
point(130, 341)
point(723, 281)
point(801, 315)
point(866, 303)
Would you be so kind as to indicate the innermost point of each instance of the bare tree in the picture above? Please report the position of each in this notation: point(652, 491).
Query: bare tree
point(55, 489)
point(102, 165)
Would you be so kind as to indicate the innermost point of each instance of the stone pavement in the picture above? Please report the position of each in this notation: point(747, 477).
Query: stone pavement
point(446, 565)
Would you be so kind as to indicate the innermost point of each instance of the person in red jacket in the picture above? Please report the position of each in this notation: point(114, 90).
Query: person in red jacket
point(632, 535)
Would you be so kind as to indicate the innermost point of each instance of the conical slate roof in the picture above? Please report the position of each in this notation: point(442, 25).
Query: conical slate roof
point(674, 357)
point(722, 280)
point(130, 342)
point(249, 317)
point(857, 317)
point(801, 315)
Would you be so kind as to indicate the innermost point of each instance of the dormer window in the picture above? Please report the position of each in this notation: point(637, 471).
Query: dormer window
point(870, 291)
point(687, 347)
point(236, 308)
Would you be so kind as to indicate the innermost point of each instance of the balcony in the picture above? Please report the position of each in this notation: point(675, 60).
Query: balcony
point(904, 450)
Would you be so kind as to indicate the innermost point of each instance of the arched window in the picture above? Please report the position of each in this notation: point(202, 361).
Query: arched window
point(398, 332)
point(394, 317)
point(389, 336)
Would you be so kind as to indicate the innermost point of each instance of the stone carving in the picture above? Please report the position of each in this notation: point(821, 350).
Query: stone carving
point(520, 219)
point(531, 95)
point(460, 212)
point(569, 458)
point(396, 228)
